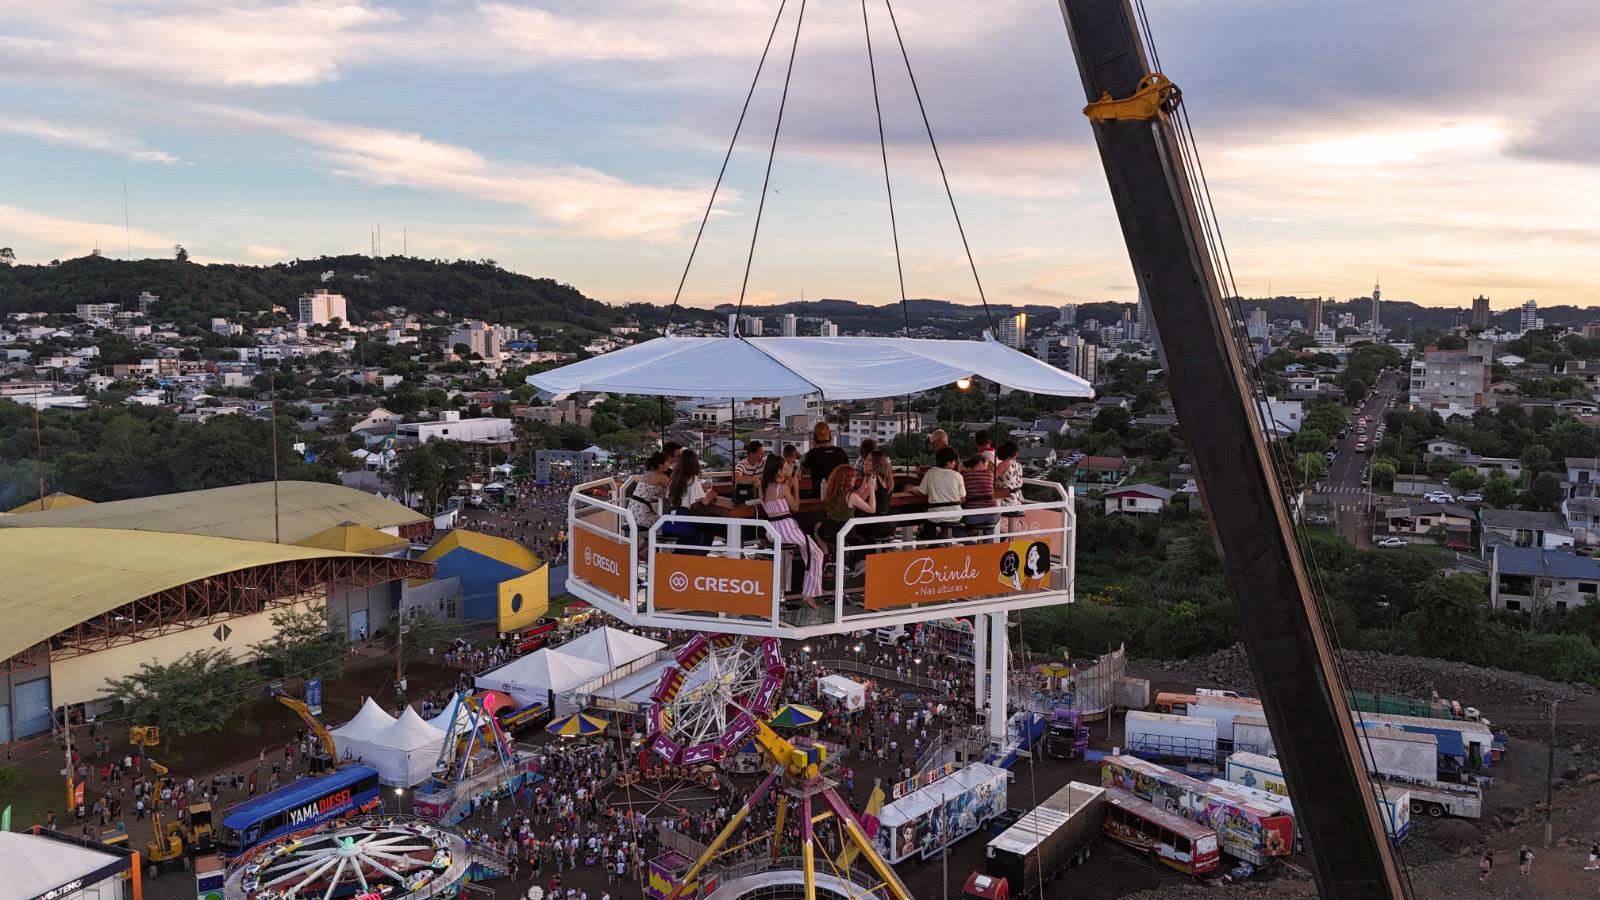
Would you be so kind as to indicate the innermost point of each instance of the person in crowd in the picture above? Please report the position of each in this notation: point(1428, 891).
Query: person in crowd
point(822, 458)
point(944, 487)
point(978, 478)
point(687, 495)
point(644, 497)
point(938, 439)
point(844, 494)
point(777, 506)
point(985, 446)
point(748, 472)
point(877, 471)
point(1008, 479)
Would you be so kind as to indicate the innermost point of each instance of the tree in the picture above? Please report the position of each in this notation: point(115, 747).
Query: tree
point(180, 254)
point(1498, 491)
point(1311, 466)
point(197, 692)
point(1449, 615)
point(1383, 475)
point(1465, 479)
point(7, 256)
point(1545, 493)
point(1441, 467)
point(1355, 390)
point(1311, 440)
point(302, 645)
point(433, 470)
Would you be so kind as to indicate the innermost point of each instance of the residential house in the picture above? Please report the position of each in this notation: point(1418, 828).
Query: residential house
point(1037, 457)
point(1522, 528)
point(1102, 470)
point(1446, 449)
point(1418, 520)
point(1138, 499)
point(1583, 475)
point(1583, 519)
point(378, 418)
point(1526, 579)
point(1282, 416)
point(1504, 393)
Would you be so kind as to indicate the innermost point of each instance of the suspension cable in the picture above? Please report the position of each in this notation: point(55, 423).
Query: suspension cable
point(939, 159)
point(732, 142)
point(772, 152)
point(883, 153)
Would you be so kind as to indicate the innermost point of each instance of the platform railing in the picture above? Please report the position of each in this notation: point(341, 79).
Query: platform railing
point(603, 546)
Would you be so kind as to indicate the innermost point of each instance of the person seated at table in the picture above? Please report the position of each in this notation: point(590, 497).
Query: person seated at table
point(843, 495)
point(777, 506)
point(978, 478)
point(672, 450)
point(876, 469)
point(687, 496)
point(985, 446)
point(822, 458)
point(644, 496)
point(1008, 480)
point(945, 489)
point(938, 439)
point(748, 471)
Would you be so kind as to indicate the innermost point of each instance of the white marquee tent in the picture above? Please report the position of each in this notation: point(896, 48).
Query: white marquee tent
point(403, 750)
point(838, 368)
point(611, 646)
point(529, 679)
point(852, 694)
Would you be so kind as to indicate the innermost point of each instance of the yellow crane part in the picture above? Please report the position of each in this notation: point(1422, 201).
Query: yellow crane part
point(316, 727)
point(1154, 95)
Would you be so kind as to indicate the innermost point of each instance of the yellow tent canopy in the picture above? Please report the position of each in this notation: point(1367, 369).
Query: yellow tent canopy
point(58, 500)
point(353, 537)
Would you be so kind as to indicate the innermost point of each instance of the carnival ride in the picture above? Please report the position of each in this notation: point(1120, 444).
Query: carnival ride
point(720, 695)
point(476, 759)
point(387, 857)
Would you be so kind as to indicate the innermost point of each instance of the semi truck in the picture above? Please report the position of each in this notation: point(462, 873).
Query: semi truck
point(1424, 796)
point(1048, 838)
point(1163, 737)
point(1066, 737)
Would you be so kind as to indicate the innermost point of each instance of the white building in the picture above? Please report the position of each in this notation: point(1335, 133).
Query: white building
point(319, 307)
point(451, 427)
point(1282, 416)
point(882, 428)
point(1530, 320)
point(827, 329)
point(1068, 315)
point(1012, 330)
point(1069, 353)
point(225, 328)
point(750, 326)
point(90, 312)
point(479, 337)
point(791, 325)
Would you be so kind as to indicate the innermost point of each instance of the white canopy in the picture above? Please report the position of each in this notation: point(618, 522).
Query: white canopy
point(529, 678)
point(611, 646)
point(838, 368)
point(368, 722)
point(36, 865)
point(853, 694)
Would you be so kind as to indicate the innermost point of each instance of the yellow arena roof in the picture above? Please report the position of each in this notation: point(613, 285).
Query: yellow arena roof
point(243, 512)
point(56, 578)
point(503, 549)
point(353, 537)
point(57, 500)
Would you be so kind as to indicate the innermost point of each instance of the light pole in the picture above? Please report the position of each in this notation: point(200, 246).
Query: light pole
point(1550, 780)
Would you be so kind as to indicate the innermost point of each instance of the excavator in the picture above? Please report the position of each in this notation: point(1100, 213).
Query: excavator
point(330, 753)
point(173, 840)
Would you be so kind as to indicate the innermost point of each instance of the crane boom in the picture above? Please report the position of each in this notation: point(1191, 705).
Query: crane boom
point(1290, 653)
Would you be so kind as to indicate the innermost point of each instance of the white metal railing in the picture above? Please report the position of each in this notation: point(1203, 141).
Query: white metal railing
point(681, 583)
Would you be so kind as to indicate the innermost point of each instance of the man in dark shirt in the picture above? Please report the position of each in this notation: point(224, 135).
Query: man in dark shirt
point(823, 457)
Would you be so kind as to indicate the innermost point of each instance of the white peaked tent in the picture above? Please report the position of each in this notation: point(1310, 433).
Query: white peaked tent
point(368, 722)
point(838, 368)
point(403, 750)
point(611, 646)
point(853, 694)
point(529, 679)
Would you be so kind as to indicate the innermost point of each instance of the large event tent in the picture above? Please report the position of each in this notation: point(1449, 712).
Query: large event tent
point(403, 750)
point(837, 368)
point(531, 678)
point(611, 646)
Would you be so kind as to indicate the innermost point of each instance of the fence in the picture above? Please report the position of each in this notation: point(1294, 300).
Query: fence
point(878, 672)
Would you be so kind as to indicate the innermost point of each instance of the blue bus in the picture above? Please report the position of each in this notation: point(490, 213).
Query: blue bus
point(298, 806)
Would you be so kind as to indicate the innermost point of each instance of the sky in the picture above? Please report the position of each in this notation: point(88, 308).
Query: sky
point(1445, 148)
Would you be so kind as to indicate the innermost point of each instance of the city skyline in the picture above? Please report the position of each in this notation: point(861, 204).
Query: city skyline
point(580, 143)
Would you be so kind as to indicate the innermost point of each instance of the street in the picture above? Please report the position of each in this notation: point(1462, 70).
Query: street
point(1342, 489)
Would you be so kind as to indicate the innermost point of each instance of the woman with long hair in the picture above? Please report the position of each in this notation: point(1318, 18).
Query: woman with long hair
point(648, 490)
point(777, 487)
point(842, 498)
point(687, 495)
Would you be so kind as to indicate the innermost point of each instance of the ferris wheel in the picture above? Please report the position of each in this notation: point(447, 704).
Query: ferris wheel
point(381, 857)
point(707, 705)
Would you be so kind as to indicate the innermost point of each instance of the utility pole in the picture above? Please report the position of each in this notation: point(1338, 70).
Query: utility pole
point(66, 728)
point(1290, 653)
point(1550, 781)
point(38, 448)
point(272, 385)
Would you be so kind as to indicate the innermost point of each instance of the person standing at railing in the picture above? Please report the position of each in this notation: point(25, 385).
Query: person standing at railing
point(777, 497)
point(1008, 480)
point(822, 458)
point(944, 487)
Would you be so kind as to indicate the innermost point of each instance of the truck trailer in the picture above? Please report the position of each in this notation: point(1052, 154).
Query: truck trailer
point(925, 821)
point(1163, 737)
point(1048, 838)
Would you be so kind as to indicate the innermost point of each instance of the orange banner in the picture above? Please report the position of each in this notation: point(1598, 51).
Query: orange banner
point(1035, 519)
point(955, 572)
point(601, 561)
point(713, 584)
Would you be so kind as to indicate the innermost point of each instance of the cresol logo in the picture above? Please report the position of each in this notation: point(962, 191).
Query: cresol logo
point(604, 563)
point(678, 582)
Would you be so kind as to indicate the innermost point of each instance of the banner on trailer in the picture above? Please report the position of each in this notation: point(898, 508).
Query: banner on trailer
point(603, 562)
point(956, 572)
point(711, 584)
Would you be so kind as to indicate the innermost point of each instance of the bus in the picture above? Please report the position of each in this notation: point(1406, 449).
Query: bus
point(298, 806)
point(1187, 846)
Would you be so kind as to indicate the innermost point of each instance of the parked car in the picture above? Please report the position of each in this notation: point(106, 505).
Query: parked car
point(1439, 497)
point(1318, 520)
point(1473, 497)
point(1392, 542)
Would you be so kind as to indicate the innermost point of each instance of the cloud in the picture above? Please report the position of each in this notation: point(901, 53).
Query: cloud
point(266, 252)
point(83, 137)
point(575, 199)
point(41, 236)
